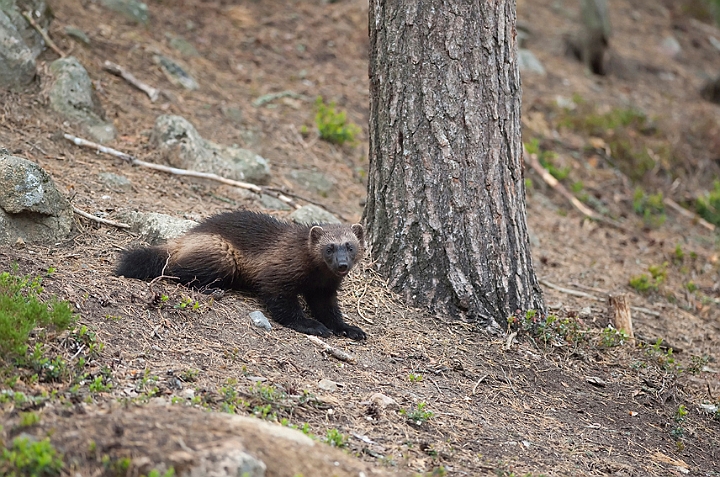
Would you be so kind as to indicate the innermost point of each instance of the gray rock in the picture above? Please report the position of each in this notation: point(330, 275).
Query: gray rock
point(233, 113)
point(17, 61)
point(30, 38)
point(131, 9)
point(72, 95)
point(314, 181)
point(155, 228)
point(383, 402)
point(260, 320)
point(182, 146)
point(183, 46)
point(77, 34)
point(226, 460)
point(529, 63)
point(671, 46)
point(327, 385)
point(312, 214)
point(31, 207)
point(175, 73)
point(273, 203)
point(115, 181)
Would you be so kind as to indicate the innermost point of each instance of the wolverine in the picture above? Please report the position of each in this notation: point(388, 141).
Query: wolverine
point(276, 260)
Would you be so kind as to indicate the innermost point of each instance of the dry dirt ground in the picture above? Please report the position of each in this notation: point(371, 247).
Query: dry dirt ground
point(499, 406)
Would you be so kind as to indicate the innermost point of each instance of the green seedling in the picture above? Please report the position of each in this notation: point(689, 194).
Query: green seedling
point(417, 416)
point(332, 125)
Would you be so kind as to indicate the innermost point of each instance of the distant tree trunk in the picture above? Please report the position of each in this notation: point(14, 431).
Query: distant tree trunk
point(711, 90)
point(591, 42)
point(446, 197)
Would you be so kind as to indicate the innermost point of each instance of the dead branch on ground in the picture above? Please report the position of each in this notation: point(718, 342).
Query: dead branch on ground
point(99, 219)
point(686, 213)
point(332, 351)
point(43, 34)
point(533, 162)
point(180, 172)
point(117, 70)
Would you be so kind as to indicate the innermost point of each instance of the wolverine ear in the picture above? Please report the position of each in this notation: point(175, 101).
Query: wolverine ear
point(315, 233)
point(359, 233)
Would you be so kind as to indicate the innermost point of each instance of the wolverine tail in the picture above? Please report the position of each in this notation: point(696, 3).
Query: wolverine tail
point(143, 263)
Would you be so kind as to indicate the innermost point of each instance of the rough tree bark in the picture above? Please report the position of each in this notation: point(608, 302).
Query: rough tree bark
point(446, 199)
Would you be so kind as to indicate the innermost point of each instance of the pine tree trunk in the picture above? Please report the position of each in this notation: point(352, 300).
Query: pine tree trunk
point(446, 199)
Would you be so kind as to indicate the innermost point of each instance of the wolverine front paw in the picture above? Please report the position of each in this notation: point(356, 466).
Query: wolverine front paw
point(311, 327)
point(352, 332)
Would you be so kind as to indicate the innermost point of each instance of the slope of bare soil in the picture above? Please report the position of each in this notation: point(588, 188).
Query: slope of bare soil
point(539, 403)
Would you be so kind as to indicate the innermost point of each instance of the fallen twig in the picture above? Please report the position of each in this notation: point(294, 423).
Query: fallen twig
point(569, 291)
point(100, 220)
point(43, 34)
point(153, 93)
point(686, 213)
point(593, 297)
point(482, 378)
point(532, 160)
point(180, 172)
point(332, 351)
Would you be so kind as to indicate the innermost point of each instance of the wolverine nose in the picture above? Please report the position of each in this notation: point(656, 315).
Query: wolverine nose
point(342, 268)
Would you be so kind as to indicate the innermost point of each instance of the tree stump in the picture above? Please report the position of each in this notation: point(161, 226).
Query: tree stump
point(620, 315)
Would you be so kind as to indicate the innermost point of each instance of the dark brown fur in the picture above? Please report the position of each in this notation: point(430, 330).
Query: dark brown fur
point(255, 252)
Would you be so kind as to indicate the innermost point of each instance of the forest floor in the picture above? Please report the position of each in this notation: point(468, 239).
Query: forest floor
point(564, 400)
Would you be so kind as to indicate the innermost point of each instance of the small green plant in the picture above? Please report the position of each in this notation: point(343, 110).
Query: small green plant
point(415, 378)
point(190, 375)
point(549, 329)
point(642, 283)
point(578, 189)
point(417, 416)
point(610, 337)
point(267, 393)
point(650, 207)
point(231, 400)
point(681, 413)
point(187, 302)
point(645, 283)
point(28, 419)
point(664, 359)
point(659, 272)
point(156, 473)
point(265, 412)
point(333, 125)
point(99, 385)
point(697, 363)
point(679, 255)
point(335, 438)
point(26, 457)
point(708, 205)
point(547, 159)
point(625, 132)
point(21, 311)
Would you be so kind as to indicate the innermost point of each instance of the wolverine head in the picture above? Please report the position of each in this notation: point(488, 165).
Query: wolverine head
point(339, 246)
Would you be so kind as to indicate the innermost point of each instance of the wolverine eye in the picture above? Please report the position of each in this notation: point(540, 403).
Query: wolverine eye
point(348, 246)
point(329, 249)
